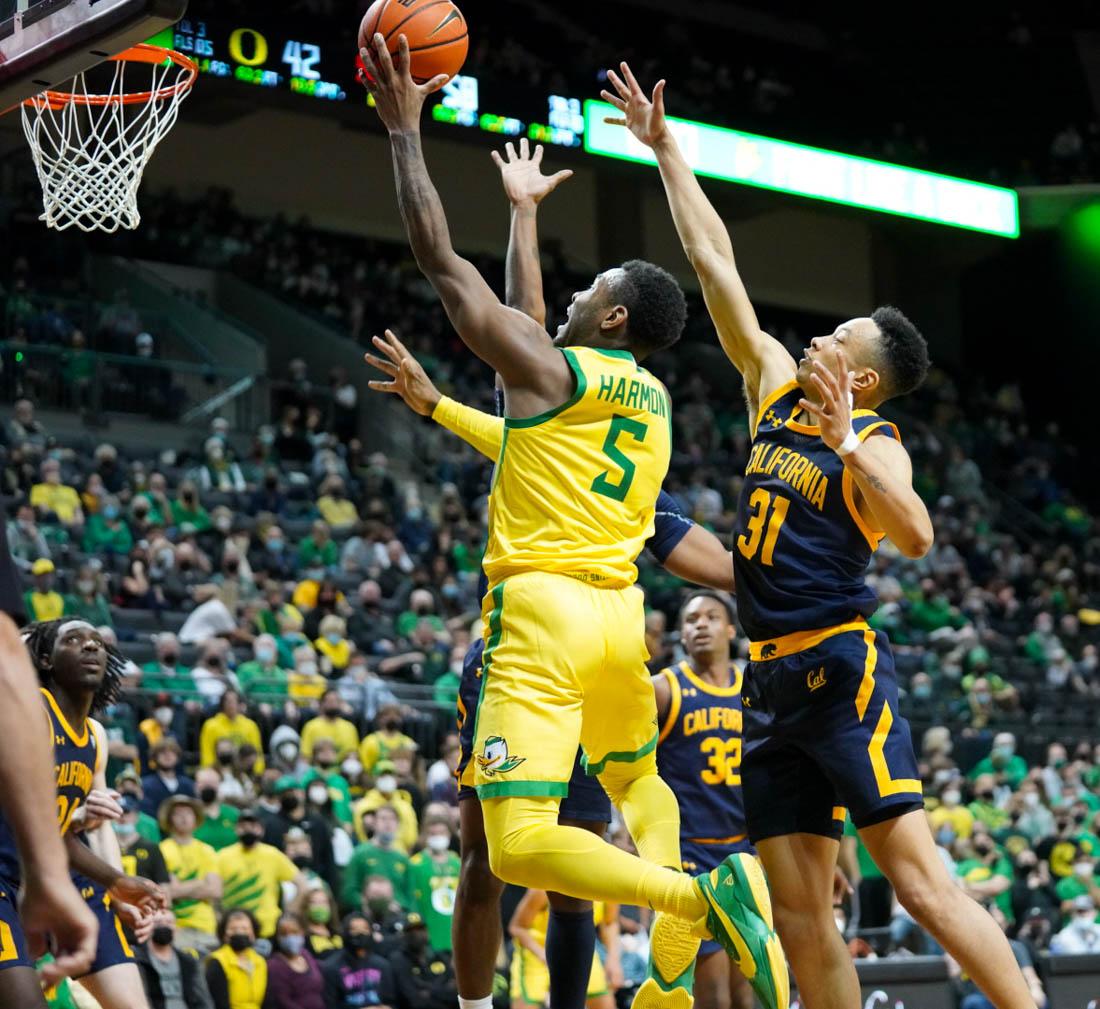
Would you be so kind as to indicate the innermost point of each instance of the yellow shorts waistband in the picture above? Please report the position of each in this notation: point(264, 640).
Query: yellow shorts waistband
point(799, 641)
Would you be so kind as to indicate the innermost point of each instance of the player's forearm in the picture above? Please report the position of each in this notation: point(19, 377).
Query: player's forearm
point(701, 229)
point(898, 509)
point(83, 860)
point(481, 430)
point(701, 558)
point(420, 205)
point(523, 267)
point(27, 787)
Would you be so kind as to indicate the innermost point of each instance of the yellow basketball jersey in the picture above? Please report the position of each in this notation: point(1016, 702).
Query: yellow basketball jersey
point(576, 488)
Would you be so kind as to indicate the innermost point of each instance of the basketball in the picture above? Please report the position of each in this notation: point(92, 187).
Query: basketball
point(436, 30)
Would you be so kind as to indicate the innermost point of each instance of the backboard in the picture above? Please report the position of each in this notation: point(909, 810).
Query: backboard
point(45, 42)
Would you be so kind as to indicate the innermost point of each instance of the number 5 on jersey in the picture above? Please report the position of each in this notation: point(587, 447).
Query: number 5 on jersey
point(619, 426)
point(761, 502)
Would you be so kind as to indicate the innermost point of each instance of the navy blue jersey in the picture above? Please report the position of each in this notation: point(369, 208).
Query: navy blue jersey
point(800, 547)
point(699, 755)
point(75, 757)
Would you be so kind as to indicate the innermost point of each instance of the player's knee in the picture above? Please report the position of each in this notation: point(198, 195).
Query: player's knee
point(801, 926)
point(924, 898)
point(477, 884)
point(568, 905)
point(618, 777)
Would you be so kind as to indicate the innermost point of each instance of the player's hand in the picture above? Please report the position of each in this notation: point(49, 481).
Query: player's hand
point(409, 380)
point(524, 183)
point(398, 98)
point(101, 805)
point(834, 413)
point(141, 921)
point(613, 969)
point(55, 908)
point(142, 893)
point(842, 888)
point(644, 117)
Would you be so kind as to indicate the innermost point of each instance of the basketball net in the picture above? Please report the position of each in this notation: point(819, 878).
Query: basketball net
point(91, 149)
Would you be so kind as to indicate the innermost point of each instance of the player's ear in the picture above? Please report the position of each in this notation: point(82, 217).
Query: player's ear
point(615, 317)
point(865, 380)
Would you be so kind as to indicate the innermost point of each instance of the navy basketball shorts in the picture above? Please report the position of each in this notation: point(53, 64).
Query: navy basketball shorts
point(13, 941)
point(702, 856)
point(823, 733)
point(586, 801)
point(111, 947)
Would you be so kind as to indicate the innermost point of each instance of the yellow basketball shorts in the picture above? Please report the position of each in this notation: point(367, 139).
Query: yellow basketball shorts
point(564, 663)
point(531, 979)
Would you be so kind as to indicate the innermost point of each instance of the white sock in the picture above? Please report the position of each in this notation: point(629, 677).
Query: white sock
point(475, 1003)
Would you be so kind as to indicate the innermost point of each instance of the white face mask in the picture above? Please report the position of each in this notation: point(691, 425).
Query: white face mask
point(163, 716)
point(439, 842)
point(318, 796)
point(386, 784)
point(351, 768)
point(1083, 869)
point(1031, 799)
point(951, 797)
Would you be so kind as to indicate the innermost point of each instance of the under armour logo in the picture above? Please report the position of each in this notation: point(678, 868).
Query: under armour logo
point(773, 418)
point(815, 679)
point(769, 650)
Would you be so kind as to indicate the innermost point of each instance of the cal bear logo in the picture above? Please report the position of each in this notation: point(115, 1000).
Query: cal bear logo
point(768, 650)
point(495, 759)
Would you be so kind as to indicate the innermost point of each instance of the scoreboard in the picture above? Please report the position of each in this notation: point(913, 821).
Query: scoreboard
point(261, 54)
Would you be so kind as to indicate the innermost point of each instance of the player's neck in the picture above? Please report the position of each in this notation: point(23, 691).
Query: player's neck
point(711, 669)
point(75, 707)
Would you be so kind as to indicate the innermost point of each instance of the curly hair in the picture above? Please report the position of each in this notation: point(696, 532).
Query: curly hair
point(41, 639)
point(905, 361)
point(656, 305)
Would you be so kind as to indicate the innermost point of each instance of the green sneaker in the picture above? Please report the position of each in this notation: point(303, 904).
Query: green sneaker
point(739, 917)
point(672, 952)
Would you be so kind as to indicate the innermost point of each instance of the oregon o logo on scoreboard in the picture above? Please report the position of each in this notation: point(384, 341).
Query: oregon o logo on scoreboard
point(258, 45)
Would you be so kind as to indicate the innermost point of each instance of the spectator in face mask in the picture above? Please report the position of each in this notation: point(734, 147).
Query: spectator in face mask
point(1003, 762)
point(952, 814)
point(1082, 881)
point(1033, 888)
point(230, 724)
point(1034, 819)
point(422, 974)
point(164, 781)
point(128, 785)
point(381, 744)
point(235, 973)
point(331, 725)
point(172, 978)
point(317, 909)
point(433, 880)
point(253, 873)
point(333, 645)
point(986, 875)
point(387, 793)
point(86, 602)
point(210, 673)
point(383, 855)
point(285, 749)
point(294, 978)
point(167, 673)
point(106, 532)
point(219, 823)
point(1082, 934)
point(187, 508)
point(305, 684)
point(984, 807)
point(195, 886)
point(134, 842)
point(357, 976)
point(263, 679)
point(335, 507)
point(326, 773)
point(161, 724)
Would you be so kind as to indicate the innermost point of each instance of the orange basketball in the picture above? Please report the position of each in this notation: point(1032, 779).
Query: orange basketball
point(436, 30)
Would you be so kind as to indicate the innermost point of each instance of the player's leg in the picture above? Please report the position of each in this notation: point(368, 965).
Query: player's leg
point(800, 871)
point(476, 931)
point(905, 851)
point(20, 986)
point(19, 982)
point(117, 987)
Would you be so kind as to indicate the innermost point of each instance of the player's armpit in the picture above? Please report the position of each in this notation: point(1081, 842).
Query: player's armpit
point(773, 369)
point(701, 558)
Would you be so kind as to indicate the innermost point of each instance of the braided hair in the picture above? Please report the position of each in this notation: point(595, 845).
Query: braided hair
point(41, 638)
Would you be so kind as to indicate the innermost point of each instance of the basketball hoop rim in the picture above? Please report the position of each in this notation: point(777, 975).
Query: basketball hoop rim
point(140, 53)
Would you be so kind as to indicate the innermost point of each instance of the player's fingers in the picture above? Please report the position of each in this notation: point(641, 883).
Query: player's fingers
point(386, 345)
point(560, 177)
point(614, 122)
point(384, 366)
point(537, 159)
point(510, 150)
point(434, 84)
point(631, 80)
point(811, 407)
point(614, 100)
point(826, 376)
point(524, 149)
point(401, 63)
point(372, 74)
point(617, 82)
point(497, 159)
point(397, 344)
point(383, 59)
point(382, 386)
point(659, 98)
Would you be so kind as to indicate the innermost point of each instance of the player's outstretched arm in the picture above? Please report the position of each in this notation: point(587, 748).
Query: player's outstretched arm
point(688, 550)
point(529, 365)
point(526, 187)
point(763, 361)
point(409, 381)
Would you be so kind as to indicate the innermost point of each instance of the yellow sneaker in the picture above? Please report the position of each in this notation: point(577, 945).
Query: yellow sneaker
point(672, 952)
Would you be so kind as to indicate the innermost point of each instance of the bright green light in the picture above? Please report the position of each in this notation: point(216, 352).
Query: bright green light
point(753, 160)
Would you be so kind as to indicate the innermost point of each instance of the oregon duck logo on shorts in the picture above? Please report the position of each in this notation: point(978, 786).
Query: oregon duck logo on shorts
point(495, 760)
